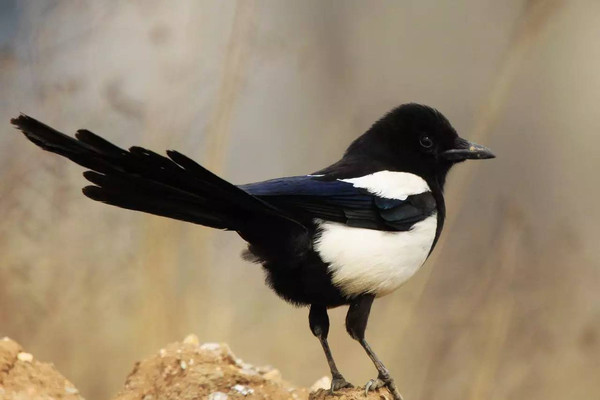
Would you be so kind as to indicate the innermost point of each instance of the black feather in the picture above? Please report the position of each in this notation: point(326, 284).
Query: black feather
point(338, 201)
point(143, 180)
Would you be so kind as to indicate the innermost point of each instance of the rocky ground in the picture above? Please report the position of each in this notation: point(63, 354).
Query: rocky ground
point(184, 370)
point(22, 377)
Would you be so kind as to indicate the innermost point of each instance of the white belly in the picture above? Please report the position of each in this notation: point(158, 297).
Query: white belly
point(371, 261)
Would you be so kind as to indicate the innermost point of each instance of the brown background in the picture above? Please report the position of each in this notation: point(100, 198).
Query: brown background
point(507, 307)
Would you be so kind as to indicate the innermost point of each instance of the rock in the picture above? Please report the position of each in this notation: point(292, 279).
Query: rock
point(245, 390)
point(26, 357)
point(323, 383)
point(191, 339)
point(23, 377)
point(185, 370)
point(273, 374)
point(217, 396)
point(188, 370)
point(357, 393)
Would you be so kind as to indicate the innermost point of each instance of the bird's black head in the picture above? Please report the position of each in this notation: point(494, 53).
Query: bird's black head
point(418, 139)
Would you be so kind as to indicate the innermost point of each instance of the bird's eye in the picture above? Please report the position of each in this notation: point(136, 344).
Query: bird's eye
point(426, 142)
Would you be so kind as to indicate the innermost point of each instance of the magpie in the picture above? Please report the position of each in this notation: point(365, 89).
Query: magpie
point(345, 235)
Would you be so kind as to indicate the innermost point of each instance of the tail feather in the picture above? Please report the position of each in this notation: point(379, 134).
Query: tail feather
point(98, 143)
point(139, 179)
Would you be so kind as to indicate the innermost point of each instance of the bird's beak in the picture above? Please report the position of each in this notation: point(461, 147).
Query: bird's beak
point(465, 150)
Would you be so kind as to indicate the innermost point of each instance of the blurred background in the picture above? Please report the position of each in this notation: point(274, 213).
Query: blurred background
point(507, 307)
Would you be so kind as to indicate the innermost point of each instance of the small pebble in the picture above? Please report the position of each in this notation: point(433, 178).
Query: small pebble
point(323, 383)
point(27, 357)
point(191, 339)
point(248, 371)
point(71, 390)
point(273, 374)
point(162, 352)
point(183, 364)
point(210, 347)
point(244, 390)
point(264, 369)
point(217, 396)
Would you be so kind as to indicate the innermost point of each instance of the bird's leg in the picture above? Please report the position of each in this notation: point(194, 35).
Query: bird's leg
point(319, 325)
point(356, 324)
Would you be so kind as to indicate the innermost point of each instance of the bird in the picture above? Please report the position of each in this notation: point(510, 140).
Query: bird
point(341, 236)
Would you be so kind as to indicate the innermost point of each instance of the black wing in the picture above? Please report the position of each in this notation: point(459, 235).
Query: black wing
point(308, 197)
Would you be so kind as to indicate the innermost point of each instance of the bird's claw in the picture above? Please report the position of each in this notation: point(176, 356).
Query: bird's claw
point(380, 382)
point(373, 384)
point(338, 382)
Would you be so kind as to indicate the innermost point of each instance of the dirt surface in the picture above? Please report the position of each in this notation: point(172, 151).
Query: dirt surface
point(24, 378)
point(184, 370)
point(350, 394)
point(189, 370)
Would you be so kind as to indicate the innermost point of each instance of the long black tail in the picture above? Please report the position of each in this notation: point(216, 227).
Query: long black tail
point(139, 179)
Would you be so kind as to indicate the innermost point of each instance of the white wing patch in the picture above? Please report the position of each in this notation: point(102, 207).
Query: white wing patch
point(391, 184)
point(372, 261)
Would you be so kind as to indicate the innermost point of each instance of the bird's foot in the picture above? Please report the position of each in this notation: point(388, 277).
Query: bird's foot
point(383, 381)
point(338, 382)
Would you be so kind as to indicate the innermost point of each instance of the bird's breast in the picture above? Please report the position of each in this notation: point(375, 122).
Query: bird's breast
point(371, 261)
